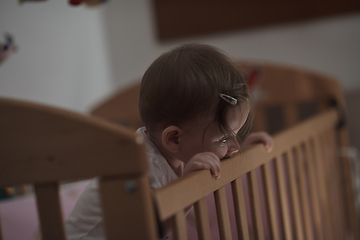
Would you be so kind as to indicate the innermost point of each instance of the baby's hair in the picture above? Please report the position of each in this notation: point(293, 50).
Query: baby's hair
point(186, 83)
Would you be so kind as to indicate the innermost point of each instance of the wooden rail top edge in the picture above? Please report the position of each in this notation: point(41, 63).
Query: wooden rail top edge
point(51, 110)
point(42, 143)
point(199, 184)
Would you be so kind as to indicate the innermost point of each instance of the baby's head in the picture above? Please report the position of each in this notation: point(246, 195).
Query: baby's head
point(192, 87)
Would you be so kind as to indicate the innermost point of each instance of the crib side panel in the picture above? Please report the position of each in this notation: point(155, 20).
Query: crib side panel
point(303, 201)
point(285, 96)
point(44, 146)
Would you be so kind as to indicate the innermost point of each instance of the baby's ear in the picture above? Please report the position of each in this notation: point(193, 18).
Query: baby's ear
point(170, 138)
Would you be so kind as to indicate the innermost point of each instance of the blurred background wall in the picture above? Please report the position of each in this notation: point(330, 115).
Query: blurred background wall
point(73, 57)
point(62, 58)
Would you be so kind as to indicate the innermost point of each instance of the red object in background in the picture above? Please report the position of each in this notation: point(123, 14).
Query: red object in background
point(75, 2)
point(253, 78)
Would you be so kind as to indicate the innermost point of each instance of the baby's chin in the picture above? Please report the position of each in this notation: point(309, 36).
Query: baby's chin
point(225, 157)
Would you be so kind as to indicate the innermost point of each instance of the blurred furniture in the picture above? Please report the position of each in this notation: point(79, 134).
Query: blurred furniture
point(223, 16)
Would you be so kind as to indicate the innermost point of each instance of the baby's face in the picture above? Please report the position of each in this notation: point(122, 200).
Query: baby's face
point(204, 135)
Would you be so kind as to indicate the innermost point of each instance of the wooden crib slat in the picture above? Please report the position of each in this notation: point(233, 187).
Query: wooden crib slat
point(313, 190)
point(284, 204)
point(222, 214)
point(49, 209)
point(344, 164)
point(1, 237)
point(339, 203)
point(179, 226)
point(202, 220)
point(295, 196)
point(303, 193)
point(270, 200)
point(255, 205)
point(240, 209)
point(322, 167)
point(127, 208)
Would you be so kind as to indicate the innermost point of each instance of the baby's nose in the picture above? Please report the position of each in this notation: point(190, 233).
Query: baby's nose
point(233, 148)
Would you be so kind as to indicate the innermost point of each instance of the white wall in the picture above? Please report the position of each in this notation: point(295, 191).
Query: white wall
point(73, 57)
point(331, 45)
point(61, 59)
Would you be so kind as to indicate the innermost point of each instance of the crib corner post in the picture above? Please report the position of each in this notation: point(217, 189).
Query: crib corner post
point(127, 203)
point(128, 207)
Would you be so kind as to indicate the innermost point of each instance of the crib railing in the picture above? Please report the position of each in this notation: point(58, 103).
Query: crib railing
point(302, 176)
point(301, 190)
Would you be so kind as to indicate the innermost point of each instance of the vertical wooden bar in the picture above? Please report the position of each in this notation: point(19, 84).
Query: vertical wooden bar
point(1, 236)
point(333, 186)
point(339, 208)
point(303, 194)
point(202, 220)
point(255, 205)
point(353, 221)
point(284, 205)
point(179, 226)
point(240, 209)
point(222, 214)
point(313, 191)
point(320, 167)
point(295, 197)
point(49, 209)
point(270, 200)
point(127, 207)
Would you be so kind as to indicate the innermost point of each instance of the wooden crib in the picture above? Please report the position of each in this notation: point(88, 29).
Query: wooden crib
point(305, 185)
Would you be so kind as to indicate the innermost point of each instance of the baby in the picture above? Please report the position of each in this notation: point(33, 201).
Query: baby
point(196, 109)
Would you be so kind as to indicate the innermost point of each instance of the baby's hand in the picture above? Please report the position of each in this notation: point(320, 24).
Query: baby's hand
point(202, 161)
point(259, 137)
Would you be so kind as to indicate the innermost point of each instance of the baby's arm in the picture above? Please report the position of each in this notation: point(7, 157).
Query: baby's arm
point(258, 137)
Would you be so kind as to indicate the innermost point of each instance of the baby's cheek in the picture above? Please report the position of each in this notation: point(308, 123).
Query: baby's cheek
point(220, 152)
point(218, 149)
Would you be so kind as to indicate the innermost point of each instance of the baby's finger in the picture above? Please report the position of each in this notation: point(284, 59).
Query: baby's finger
point(269, 143)
point(214, 168)
point(214, 162)
point(269, 146)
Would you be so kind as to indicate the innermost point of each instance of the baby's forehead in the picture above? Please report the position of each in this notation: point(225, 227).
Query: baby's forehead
point(208, 128)
point(201, 124)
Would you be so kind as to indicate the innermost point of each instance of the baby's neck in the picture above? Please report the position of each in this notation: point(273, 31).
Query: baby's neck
point(176, 164)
